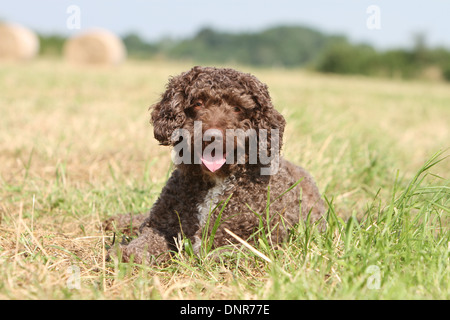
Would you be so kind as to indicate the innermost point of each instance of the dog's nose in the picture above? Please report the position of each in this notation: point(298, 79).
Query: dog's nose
point(211, 133)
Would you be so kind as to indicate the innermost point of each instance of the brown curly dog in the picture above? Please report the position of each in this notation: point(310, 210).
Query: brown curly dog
point(233, 112)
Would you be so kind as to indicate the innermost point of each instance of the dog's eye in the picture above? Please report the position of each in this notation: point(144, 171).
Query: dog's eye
point(237, 109)
point(198, 105)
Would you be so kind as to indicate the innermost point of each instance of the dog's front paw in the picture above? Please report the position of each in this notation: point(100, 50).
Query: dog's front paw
point(124, 223)
point(124, 253)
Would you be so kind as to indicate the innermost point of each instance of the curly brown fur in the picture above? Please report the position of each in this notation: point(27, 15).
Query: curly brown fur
point(221, 99)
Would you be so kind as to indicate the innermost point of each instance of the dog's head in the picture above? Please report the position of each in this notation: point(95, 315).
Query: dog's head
point(216, 113)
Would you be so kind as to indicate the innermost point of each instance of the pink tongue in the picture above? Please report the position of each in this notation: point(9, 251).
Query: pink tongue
point(213, 163)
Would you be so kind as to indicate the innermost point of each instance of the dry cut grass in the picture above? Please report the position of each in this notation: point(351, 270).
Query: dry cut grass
point(76, 147)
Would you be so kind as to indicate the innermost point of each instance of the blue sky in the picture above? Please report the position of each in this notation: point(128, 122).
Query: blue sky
point(154, 19)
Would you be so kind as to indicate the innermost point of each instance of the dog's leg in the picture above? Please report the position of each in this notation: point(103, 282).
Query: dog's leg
point(125, 223)
point(151, 246)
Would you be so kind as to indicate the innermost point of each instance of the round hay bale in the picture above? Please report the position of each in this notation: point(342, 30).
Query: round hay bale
point(99, 47)
point(17, 42)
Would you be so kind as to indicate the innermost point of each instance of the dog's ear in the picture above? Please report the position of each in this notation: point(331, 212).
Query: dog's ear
point(267, 117)
point(272, 119)
point(269, 120)
point(167, 116)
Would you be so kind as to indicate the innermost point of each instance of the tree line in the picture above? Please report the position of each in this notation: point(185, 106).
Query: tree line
point(288, 47)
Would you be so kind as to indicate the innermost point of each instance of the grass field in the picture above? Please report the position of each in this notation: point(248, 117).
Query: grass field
point(76, 147)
